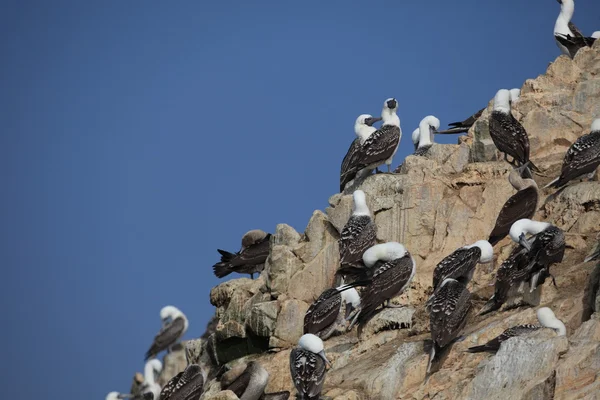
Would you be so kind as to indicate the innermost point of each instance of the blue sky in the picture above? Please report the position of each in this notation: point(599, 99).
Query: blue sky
point(140, 136)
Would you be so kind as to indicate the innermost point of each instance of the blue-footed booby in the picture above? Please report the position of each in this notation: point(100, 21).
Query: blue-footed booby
point(308, 367)
point(547, 320)
point(522, 204)
point(392, 268)
point(568, 37)
point(325, 315)
point(174, 326)
point(583, 157)
point(427, 128)
point(249, 260)
point(448, 314)
point(363, 128)
point(359, 233)
point(507, 133)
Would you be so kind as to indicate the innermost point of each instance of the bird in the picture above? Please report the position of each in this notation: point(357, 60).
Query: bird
point(460, 264)
point(251, 384)
point(583, 157)
point(547, 320)
point(283, 395)
point(152, 370)
point(359, 234)
point(392, 269)
point(507, 133)
point(569, 38)
point(324, 315)
point(595, 252)
point(308, 366)
point(415, 138)
point(249, 260)
point(449, 309)
point(462, 126)
point(363, 128)
point(117, 396)
point(514, 95)
point(174, 325)
point(381, 146)
point(522, 204)
point(427, 128)
point(186, 385)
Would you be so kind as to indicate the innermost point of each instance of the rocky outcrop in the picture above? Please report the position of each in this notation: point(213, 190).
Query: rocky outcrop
point(434, 205)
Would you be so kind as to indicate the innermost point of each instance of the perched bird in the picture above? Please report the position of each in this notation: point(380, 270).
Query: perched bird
point(463, 126)
point(392, 268)
point(427, 128)
point(308, 367)
point(251, 384)
point(460, 265)
point(522, 204)
point(359, 233)
point(448, 314)
point(363, 128)
point(583, 157)
point(324, 315)
point(152, 370)
point(381, 146)
point(547, 320)
point(174, 325)
point(514, 95)
point(186, 385)
point(249, 260)
point(415, 138)
point(568, 37)
point(507, 133)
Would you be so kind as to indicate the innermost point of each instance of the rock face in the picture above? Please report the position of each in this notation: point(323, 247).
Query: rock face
point(434, 205)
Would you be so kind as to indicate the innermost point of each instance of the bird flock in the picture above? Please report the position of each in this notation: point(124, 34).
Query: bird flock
point(371, 274)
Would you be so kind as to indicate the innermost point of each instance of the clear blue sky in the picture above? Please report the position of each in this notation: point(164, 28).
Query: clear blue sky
point(140, 136)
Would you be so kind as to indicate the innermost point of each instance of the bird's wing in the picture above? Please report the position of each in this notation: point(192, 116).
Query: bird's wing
point(520, 205)
point(167, 336)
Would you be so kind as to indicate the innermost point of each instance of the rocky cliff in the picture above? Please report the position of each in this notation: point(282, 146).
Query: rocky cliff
point(434, 205)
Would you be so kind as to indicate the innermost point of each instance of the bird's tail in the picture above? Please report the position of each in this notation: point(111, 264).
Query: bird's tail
point(491, 305)
point(553, 183)
point(222, 268)
point(477, 349)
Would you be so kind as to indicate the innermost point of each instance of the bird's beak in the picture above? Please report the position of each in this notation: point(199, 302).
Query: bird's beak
point(322, 354)
point(524, 171)
point(523, 242)
point(372, 120)
point(432, 130)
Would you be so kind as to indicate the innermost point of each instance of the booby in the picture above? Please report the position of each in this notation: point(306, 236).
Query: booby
point(427, 128)
point(460, 265)
point(359, 233)
point(583, 157)
point(522, 204)
point(448, 314)
point(545, 247)
point(507, 133)
point(381, 146)
point(596, 35)
point(251, 384)
point(463, 126)
point(415, 138)
point(308, 366)
point(363, 128)
point(568, 37)
point(324, 315)
point(393, 268)
point(249, 260)
point(186, 385)
point(175, 323)
point(547, 320)
point(514, 96)
point(152, 369)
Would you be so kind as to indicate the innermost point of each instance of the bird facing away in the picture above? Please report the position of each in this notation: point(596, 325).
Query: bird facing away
point(427, 128)
point(448, 314)
point(152, 370)
point(547, 320)
point(462, 126)
point(583, 157)
point(325, 315)
point(186, 385)
point(460, 265)
point(393, 268)
point(251, 384)
point(359, 233)
point(174, 325)
point(249, 260)
point(507, 133)
point(363, 128)
point(308, 366)
point(381, 146)
point(522, 204)
point(569, 38)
